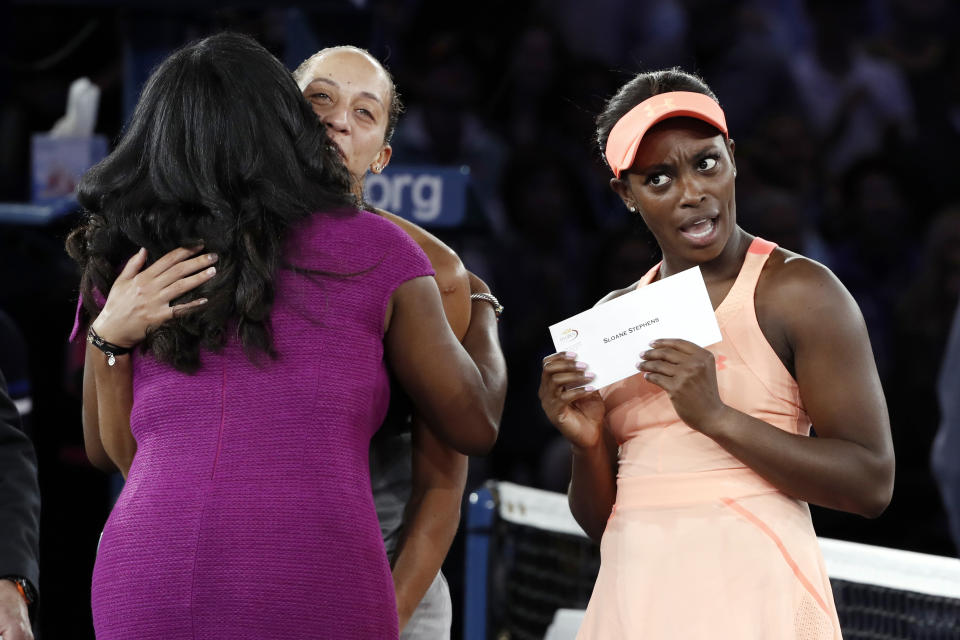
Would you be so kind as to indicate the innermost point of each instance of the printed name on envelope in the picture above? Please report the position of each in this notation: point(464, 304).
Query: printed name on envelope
point(611, 337)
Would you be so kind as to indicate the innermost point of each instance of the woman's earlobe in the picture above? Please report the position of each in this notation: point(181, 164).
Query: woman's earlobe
point(382, 159)
point(620, 187)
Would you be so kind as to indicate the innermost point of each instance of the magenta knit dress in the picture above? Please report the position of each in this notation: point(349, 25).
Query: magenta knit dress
point(247, 512)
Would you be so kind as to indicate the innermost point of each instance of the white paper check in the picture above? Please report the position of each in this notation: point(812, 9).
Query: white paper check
point(611, 337)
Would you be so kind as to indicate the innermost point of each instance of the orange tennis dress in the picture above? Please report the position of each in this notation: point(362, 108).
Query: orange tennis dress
point(698, 545)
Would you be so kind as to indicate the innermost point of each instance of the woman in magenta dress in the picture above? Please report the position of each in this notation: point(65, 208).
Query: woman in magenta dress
point(247, 510)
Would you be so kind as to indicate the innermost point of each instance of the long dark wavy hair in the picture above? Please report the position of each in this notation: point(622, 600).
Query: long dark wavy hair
point(224, 151)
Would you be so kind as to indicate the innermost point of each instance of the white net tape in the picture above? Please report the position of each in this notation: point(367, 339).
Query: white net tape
point(850, 561)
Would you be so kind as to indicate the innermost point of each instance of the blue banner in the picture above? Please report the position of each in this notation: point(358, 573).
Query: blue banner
point(431, 196)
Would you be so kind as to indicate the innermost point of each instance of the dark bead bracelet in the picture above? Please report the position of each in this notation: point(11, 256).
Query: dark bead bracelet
point(112, 350)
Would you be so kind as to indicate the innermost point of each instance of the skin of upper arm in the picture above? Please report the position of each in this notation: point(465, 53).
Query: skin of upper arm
point(434, 370)
point(434, 462)
point(92, 443)
point(435, 465)
point(451, 275)
point(454, 285)
point(831, 355)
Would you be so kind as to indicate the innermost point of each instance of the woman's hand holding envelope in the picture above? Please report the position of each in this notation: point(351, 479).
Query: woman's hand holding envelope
point(688, 373)
point(575, 408)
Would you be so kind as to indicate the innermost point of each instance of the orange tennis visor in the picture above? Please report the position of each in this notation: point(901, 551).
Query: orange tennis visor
point(625, 137)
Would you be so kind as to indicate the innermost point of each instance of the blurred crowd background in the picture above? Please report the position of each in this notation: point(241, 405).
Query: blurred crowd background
point(846, 116)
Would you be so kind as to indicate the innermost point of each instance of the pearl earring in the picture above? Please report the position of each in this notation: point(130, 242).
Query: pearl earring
point(633, 209)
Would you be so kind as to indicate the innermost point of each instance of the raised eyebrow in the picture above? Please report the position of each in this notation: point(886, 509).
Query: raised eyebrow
point(710, 149)
point(372, 96)
point(325, 81)
point(655, 168)
point(335, 85)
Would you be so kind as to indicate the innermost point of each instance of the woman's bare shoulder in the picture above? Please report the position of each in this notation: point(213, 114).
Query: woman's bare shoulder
point(801, 290)
point(445, 260)
point(788, 273)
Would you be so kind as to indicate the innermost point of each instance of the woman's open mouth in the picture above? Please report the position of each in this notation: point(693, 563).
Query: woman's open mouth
point(701, 230)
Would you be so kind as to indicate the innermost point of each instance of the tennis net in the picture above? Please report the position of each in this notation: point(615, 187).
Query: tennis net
point(530, 572)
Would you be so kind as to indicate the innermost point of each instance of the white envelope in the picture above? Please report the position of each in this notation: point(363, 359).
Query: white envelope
point(609, 338)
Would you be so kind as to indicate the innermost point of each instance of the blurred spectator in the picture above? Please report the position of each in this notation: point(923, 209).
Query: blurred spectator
point(925, 312)
point(621, 256)
point(441, 127)
point(775, 215)
point(736, 54)
point(918, 43)
point(922, 43)
point(856, 103)
point(922, 325)
point(585, 84)
point(528, 100)
point(945, 457)
point(619, 32)
point(779, 161)
point(788, 22)
point(782, 153)
point(927, 307)
point(540, 276)
point(13, 365)
point(872, 215)
point(19, 508)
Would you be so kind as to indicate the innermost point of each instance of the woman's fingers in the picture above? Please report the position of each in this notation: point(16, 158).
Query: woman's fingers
point(561, 371)
point(185, 268)
point(570, 402)
point(565, 380)
point(571, 396)
point(169, 259)
point(559, 356)
point(661, 381)
point(134, 264)
point(666, 354)
point(562, 364)
point(187, 307)
point(572, 379)
point(683, 346)
point(658, 366)
point(183, 285)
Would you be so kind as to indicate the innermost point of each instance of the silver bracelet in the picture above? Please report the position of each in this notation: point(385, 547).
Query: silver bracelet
point(489, 297)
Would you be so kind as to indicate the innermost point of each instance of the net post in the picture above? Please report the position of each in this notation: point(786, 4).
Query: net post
point(480, 515)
